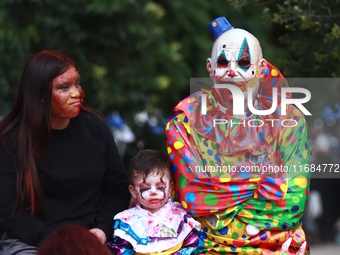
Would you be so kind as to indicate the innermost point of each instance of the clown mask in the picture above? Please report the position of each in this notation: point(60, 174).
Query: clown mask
point(236, 59)
point(153, 190)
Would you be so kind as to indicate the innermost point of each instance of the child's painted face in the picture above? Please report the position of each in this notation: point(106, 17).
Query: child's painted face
point(153, 190)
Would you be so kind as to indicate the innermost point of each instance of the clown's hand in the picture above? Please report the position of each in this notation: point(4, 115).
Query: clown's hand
point(252, 230)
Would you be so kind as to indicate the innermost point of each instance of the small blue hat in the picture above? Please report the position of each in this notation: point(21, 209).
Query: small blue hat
point(218, 26)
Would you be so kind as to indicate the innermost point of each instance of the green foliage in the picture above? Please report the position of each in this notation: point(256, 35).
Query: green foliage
point(119, 46)
point(139, 54)
point(310, 31)
point(132, 54)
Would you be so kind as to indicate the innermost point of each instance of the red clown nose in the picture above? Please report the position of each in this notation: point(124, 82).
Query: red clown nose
point(232, 73)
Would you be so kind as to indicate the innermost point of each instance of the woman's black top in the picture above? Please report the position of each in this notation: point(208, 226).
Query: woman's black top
point(84, 182)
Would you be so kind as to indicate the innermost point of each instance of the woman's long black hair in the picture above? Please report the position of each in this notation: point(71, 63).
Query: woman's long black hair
point(31, 114)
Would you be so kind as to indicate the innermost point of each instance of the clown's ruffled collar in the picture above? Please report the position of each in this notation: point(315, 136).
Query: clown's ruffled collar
point(221, 108)
point(232, 137)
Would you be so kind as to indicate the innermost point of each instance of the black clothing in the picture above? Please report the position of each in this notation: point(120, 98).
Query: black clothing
point(84, 182)
point(12, 246)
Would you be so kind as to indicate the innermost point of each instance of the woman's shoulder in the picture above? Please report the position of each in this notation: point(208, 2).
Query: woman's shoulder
point(89, 124)
point(89, 119)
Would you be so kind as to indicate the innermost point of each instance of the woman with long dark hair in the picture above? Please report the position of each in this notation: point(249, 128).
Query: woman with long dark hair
point(59, 163)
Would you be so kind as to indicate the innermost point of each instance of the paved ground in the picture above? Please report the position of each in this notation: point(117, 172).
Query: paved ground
point(325, 249)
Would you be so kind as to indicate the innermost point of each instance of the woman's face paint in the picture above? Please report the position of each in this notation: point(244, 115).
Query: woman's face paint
point(236, 59)
point(153, 191)
point(67, 98)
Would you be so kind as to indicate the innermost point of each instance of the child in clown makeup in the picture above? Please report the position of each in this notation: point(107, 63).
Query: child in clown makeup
point(152, 187)
point(157, 224)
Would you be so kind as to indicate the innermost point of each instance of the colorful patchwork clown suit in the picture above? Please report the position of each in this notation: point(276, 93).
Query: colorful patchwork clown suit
point(244, 177)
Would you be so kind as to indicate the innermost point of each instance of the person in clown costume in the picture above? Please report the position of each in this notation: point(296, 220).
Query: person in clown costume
point(241, 211)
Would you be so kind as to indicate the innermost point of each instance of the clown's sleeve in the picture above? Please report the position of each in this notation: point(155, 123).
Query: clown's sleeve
point(295, 156)
point(183, 157)
point(294, 153)
point(295, 150)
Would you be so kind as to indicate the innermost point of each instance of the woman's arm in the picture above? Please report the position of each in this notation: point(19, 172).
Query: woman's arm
point(26, 227)
point(115, 187)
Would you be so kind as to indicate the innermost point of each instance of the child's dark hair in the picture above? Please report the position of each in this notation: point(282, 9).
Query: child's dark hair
point(147, 160)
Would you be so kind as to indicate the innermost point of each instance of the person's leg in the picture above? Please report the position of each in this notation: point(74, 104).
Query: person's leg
point(13, 246)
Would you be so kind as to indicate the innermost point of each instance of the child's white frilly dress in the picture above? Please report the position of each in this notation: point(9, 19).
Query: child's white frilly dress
point(169, 231)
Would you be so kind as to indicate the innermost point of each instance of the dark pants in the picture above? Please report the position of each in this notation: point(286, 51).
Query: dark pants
point(13, 246)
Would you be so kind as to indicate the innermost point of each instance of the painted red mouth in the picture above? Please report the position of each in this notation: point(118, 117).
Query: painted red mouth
point(155, 201)
point(226, 82)
point(240, 84)
point(76, 103)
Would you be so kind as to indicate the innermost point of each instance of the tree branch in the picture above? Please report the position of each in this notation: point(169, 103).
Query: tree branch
point(328, 9)
point(314, 16)
point(268, 2)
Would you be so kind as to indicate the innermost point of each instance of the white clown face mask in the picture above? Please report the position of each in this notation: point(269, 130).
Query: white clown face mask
point(236, 59)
